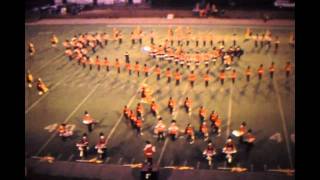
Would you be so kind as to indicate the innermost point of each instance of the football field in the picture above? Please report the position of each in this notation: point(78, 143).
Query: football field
point(267, 106)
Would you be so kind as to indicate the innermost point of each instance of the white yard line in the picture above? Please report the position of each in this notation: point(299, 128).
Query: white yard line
point(46, 94)
point(162, 151)
point(128, 105)
point(229, 111)
point(283, 121)
point(68, 118)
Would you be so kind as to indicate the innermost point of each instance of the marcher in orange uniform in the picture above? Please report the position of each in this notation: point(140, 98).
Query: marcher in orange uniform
point(31, 49)
point(98, 63)
point(158, 71)
point(215, 122)
point(126, 112)
point(242, 131)
point(29, 79)
point(248, 73)
point(88, 120)
point(154, 108)
point(171, 105)
point(192, 78)
point(117, 65)
point(159, 129)
point(260, 71)
point(202, 113)
point(221, 77)
point(271, 70)
point(187, 104)
point(139, 126)
point(233, 76)
point(276, 44)
point(189, 131)
point(206, 79)
point(204, 130)
point(133, 119)
point(168, 74)
point(128, 67)
point(106, 63)
point(137, 68)
point(146, 70)
point(288, 69)
point(54, 40)
point(177, 76)
point(173, 130)
point(139, 110)
point(42, 88)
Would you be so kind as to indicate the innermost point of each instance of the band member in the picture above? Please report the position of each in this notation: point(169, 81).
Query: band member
point(88, 120)
point(229, 149)
point(29, 79)
point(98, 63)
point(168, 74)
point(177, 76)
point(126, 112)
point(271, 70)
point(126, 56)
point(209, 152)
point(154, 108)
point(146, 70)
point(159, 129)
point(138, 125)
point(148, 150)
point(54, 40)
point(206, 79)
point(248, 73)
point(204, 130)
point(233, 76)
point(221, 77)
point(106, 63)
point(192, 78)
point(31, 49)
point(260, 71)
point(171, 105)
point(137, 68)
point(101, 146)
point(42, 88)
point(173, 130)
point(292, 39)
point(249, 139)
point(117, 65)
point(187, 104)
point(247, 34)
point(139, 110)
point(189, 131)
point(64, 132)
point(215, 122)
point(158, 71)
point(128, 67)
point(83, 146)
point(202, 114)
point(242, 131)
point(133, 119)
point(288, 68)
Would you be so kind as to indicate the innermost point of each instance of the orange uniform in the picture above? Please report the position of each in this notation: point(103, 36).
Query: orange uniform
point(192, 77)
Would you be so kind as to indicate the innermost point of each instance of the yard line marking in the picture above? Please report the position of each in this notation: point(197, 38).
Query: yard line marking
point(229, 111)
point(162, 151)
point(198, 164)
point(60, 155)
point(46, 94)
point(283, 120)
point(128, 105)
point(47, 63)
point(68, 118)
point(175, 115)
point(70, 157)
